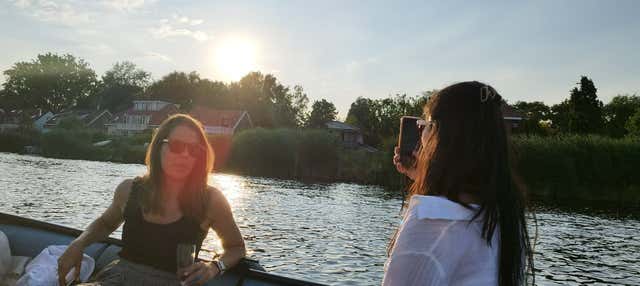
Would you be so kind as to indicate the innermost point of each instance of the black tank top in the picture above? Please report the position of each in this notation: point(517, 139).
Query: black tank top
point(155, 244)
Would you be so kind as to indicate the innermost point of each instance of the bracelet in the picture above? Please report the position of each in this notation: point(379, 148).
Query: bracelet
point(221, 267)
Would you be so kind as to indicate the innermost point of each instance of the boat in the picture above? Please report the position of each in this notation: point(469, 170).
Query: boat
point(28, 237)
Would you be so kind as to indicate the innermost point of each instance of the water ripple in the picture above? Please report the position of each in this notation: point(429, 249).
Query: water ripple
point(332, 233)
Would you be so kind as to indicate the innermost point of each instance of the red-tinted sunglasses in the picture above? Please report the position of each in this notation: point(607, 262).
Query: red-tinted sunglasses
point(177, 147)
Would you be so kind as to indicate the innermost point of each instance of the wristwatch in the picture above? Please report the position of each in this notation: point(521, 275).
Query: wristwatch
point(221, 267)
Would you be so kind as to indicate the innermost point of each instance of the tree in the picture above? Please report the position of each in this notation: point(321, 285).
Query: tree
point(618, 111)
point(270, 103)
point(121, 84)
point(5, 102)
point(534, 112)
point(322, 112)
point(633, 124)
point(257, 94)
point(290, 107)
point(126, 74)
point(50, 82)
point(380, 119)
point(560, 116)
point(585, 110)
point(300, 102)
point(212, 94)
point(362, 114)
point(176, 87)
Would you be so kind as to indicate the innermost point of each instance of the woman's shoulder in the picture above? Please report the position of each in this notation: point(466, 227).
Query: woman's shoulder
point(123, 190)
point(214, 195)
point(216, 204)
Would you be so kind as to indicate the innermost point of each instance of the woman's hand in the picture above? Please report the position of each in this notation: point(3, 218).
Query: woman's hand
point(72, 257)
point(409, 172)
point(198, 273)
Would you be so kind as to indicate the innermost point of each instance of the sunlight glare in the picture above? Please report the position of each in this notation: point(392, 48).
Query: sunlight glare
point(234, 58)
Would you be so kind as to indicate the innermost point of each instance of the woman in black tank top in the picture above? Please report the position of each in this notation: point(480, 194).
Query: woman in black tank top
point(170, 205)
point(146, 242)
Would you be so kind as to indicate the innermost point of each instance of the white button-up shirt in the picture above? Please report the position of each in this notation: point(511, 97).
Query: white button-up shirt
point(436, 245)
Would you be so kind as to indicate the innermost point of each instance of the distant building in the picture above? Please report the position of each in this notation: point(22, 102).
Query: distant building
point(94, 119)
point(9, 120)
point(222, 122)
point(349, 135)
point(512, 117)
point(144, 115)
point(40, 122)
point(220, 126)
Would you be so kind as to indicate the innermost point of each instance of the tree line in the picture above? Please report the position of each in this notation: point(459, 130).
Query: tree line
point(581, 113)
point(57, 83)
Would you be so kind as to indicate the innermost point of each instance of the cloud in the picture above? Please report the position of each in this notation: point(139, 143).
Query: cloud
point(168, 31)
point(74, 13)
point(179, 26)
point(159, 56)
point(126, 5)
point(187, 20)
point(66, 13)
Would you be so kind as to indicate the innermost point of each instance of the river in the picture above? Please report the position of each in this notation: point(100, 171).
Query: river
point(330, 233)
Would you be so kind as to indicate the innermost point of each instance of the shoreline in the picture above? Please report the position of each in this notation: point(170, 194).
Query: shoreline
point(548, 196)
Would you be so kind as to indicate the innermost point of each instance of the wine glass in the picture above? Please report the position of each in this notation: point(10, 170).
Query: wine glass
point(185, 256)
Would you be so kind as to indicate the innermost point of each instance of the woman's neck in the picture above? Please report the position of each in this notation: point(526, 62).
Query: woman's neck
point(468, 198)
point(170, 189)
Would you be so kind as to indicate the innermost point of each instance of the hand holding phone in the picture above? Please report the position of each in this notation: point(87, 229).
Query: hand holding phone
point(408, 145)
point(407, 171)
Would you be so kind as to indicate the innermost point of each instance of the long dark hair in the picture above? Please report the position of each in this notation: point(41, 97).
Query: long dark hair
point(193, 198)
point(468, 151)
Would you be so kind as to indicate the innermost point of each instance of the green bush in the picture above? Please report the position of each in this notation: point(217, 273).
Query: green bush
point(73, 144)
point(585, 167)
point(124, 150)
point(15, 140)
point(560, 167)
point(633, 124)
point(285, 153)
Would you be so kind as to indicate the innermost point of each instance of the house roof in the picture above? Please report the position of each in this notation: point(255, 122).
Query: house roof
point(156, 116)
point(218, 117)
point(508, 112)
point(341, 126)
point(89, 119)
point(86, 116)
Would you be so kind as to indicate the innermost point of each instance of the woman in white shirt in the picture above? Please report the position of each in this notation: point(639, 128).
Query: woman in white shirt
point(465, 221)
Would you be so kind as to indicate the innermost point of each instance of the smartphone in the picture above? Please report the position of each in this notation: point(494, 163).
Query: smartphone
point(409, 139)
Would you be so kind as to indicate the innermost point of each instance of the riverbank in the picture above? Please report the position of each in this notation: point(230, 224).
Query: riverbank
point(562, 168)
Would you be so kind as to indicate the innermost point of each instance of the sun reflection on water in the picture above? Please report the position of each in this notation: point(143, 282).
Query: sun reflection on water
point(232, 188)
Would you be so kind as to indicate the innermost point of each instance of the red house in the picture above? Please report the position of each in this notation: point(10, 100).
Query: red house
point(144, 115)
point(220, 126)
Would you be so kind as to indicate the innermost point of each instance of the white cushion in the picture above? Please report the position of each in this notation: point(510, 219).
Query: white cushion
point(5, 255)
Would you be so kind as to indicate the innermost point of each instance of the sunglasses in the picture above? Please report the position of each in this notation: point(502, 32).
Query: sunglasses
point(422, 124)
point(177, 147)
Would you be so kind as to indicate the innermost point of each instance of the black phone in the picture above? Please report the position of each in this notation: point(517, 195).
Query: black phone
point(409, 139)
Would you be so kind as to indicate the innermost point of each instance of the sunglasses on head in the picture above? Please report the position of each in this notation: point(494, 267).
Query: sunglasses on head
point(177, 147)
point(422, 124)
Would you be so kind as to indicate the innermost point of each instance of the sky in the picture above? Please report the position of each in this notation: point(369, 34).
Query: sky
point(340, 50)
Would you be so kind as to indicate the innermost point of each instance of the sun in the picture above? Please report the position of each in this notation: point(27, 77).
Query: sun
point(234, 58)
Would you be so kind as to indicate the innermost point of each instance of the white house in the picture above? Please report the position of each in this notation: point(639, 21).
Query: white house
point(144, 115)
